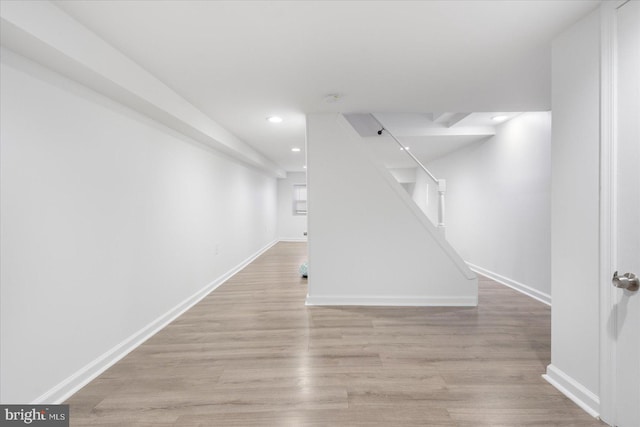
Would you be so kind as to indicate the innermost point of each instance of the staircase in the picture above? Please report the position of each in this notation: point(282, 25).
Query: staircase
point(419, 191)
point(370, 243)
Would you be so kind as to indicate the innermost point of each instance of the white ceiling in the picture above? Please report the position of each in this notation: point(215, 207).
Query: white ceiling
point(241, 61)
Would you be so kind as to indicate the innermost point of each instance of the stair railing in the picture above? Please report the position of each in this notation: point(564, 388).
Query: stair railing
point(441, 183)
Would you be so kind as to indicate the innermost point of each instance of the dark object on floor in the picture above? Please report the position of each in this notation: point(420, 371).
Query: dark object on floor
point(303, 269)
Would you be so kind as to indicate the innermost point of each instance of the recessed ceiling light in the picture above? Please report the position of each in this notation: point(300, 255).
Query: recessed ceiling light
point(274, 119)
point(499, 118)
point(304, 167)
point(295, 149)
point(405, 148)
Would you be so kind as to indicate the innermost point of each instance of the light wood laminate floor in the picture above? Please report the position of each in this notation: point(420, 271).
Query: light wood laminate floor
point(251, 353)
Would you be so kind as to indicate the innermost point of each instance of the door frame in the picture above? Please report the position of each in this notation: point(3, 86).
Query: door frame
point(608, 208)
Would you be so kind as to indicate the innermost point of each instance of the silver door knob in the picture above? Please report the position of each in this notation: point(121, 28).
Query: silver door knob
point(628, 281)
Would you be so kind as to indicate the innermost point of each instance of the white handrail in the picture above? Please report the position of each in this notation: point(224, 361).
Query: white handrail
point(415, 159)
point(441, 183)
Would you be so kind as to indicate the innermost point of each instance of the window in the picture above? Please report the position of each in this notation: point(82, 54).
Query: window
point(299, 199)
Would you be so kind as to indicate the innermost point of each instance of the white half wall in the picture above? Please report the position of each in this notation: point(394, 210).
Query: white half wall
point(575, 170)
point(110, 222)
point(404, 175)
point(416, 182)
point(498, 203)
point(368, 241)
point(425, 195)
point(290, 227)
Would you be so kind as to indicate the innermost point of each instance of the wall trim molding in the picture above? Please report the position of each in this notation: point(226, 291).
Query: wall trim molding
point(66, 388)
point(608, 208)
point(292, 239)
point(520, 287)
point(407, 301)
point(575, 391)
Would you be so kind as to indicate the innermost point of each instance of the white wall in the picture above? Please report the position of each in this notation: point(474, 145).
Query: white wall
point(109, 220)
point(423, 195)
point(575, 210)
point(42, 31)
point(368, 241)
point(404, 175)
point(290, 226)
point(416, 182)
point(498, 203)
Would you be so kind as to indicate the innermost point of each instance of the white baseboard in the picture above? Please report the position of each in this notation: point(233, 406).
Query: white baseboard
point(418, 301)
point(89, 372)
point(292, 239)
point(573, 390)
point(520, 287)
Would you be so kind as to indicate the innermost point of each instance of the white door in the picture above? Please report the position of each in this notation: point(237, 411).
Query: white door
point(627, 388)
